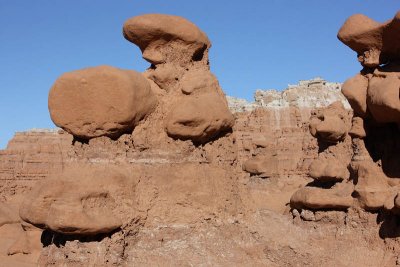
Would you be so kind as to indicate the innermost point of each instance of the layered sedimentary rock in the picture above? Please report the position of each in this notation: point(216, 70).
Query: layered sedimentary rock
point(205, 187)
point(306, 94)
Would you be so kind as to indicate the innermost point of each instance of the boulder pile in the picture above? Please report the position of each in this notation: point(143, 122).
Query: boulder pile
point(368, 176)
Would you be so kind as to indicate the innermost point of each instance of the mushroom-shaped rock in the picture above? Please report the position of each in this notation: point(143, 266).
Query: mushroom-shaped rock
point(164, 38)
point(318, 198)
point(83, 200)
point(330, 124)
point(199, 118)
point(374, 42)
point(383, 95)
point(329, 170)
point(262, 165)
point(100, 101)
point(355, 90)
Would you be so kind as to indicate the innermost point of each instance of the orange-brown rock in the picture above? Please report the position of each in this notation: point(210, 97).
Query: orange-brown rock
point(164, 38)
point(383, 94)
point(319, 198)
point(372, 189)
point(83, 199)
point(355, 90)
point(199, 118)
point(329, 169)
point(262, 165)
point(100, 101)
point(330, 124)
point(375, 43)
point(357, 128)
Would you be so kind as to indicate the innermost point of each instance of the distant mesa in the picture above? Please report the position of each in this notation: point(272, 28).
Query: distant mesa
point(313, 93)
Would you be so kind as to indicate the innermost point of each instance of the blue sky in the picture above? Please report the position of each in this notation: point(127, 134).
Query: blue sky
point(257, 44)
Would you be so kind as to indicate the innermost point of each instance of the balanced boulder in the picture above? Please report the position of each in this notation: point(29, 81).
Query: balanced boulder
point(163, 38)
point(100, 101)
point(199, 118)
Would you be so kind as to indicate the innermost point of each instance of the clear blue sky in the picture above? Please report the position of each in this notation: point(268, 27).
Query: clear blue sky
point(256, 44)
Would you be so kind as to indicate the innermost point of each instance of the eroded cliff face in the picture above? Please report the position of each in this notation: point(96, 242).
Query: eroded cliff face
point(205, 187)
point(193, 204)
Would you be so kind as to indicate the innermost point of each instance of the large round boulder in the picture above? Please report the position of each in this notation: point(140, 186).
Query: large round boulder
point(199, 118)
point(100, 101)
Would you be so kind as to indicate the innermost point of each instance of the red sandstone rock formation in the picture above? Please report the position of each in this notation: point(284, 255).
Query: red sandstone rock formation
point(374, 97)
point(148, 199)
point(100, 101)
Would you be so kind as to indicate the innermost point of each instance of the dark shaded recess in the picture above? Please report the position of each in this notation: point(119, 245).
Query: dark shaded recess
point(383, 144)
point(390, 225)
point(49, 237)
point(199, 53)
point(79, 140)
point(202, 141)
point(321, 184)
point(323, 145)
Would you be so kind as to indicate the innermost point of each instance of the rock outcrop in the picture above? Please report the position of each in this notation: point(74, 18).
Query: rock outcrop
point(375, 43)
point(165, 38)
point(193, 184)
point(307, 94)
point(371, 160)
point(195, 106)
point(100, 101)
point(82, 200)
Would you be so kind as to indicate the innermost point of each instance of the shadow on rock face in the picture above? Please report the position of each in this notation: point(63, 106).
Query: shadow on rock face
point(390, 225)
point(383, 144)
point(49, 237)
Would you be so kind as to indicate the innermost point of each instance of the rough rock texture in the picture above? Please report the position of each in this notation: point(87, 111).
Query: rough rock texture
point(199, 118)
point(100, 101)
point(149, 199)
point(314, 93)
point(331, 124)
point(192, 105)
point(158, 35)
point(375, 43)
point(372, 153)
point(83, 200)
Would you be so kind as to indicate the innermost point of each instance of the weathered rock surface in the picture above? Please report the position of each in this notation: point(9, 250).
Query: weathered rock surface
point(313, 93)
point(100, 101)
point(331, 124)
point(200, 118)
point(355, 90)
point(149, 199)
point(83, 199)
point(375, 43)
point(164, 38)
point(328, 170)
point(318, 198)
